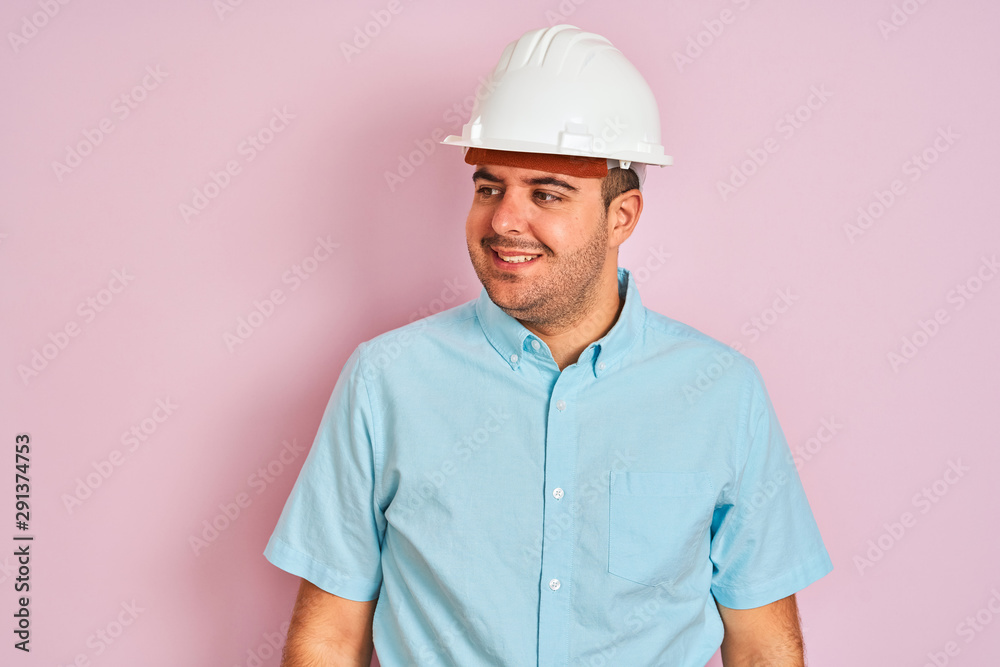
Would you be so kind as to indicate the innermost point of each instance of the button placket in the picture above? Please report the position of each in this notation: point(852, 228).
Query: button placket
point(559, 529)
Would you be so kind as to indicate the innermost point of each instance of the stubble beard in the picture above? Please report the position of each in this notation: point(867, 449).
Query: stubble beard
point(560, 299)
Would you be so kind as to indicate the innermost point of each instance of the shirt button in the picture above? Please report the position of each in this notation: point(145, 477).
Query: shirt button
point(600, 366)
point(535, 344)
point(557, 493)
point(560, 405)
point(554, 584)
point(513, 358)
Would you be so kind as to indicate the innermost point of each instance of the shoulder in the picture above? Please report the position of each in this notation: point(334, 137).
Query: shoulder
point(665, 333)
point(714, 377)
point(700, 364)
point(445, 328)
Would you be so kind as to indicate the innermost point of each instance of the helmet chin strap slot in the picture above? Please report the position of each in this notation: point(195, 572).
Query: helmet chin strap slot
point(638, 167)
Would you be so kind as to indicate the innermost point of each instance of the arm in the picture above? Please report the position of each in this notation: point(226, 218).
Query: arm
point(767, 636)
point(328, 631)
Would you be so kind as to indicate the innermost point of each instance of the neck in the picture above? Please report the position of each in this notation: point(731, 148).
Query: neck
point(568, 342)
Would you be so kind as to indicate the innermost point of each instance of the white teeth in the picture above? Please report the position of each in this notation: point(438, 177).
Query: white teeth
point(517, 258)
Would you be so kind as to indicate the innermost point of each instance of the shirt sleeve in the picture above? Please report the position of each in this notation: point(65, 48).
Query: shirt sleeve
point(765, 544)
point(331, 528)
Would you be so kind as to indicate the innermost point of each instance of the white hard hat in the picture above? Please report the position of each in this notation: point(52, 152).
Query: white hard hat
point(563, 91)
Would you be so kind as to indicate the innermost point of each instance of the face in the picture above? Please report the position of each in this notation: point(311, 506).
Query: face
point(539, 242)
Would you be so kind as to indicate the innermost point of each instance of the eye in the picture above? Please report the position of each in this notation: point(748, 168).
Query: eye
point(551, 197)
point(482, 191)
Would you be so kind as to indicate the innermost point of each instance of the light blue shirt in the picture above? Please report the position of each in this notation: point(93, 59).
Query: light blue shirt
point(507, 513)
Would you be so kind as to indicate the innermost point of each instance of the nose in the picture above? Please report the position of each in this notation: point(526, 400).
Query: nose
point(509, 216)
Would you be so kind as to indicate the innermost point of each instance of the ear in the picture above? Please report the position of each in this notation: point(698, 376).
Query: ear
point(623, 215)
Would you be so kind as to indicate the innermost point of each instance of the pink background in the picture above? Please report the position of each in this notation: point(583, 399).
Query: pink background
point(162, 336)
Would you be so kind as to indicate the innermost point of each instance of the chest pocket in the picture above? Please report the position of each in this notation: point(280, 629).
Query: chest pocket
point(660, 525)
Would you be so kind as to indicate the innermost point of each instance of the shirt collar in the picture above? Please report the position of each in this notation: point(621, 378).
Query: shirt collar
point(513, 341)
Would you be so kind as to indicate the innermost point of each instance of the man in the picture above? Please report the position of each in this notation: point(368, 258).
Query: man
point(529, 478)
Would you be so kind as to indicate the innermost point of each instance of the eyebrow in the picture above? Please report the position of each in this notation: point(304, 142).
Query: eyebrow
point(485, 175)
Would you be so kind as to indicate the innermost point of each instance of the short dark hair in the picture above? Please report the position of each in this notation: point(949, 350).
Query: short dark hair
point(616, 182)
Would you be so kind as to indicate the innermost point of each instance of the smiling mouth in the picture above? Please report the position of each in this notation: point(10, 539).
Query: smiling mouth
point(517, 259)
point(512, 258)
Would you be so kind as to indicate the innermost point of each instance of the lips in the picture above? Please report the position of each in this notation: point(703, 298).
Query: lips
point(517, 259)
point(513, 258)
